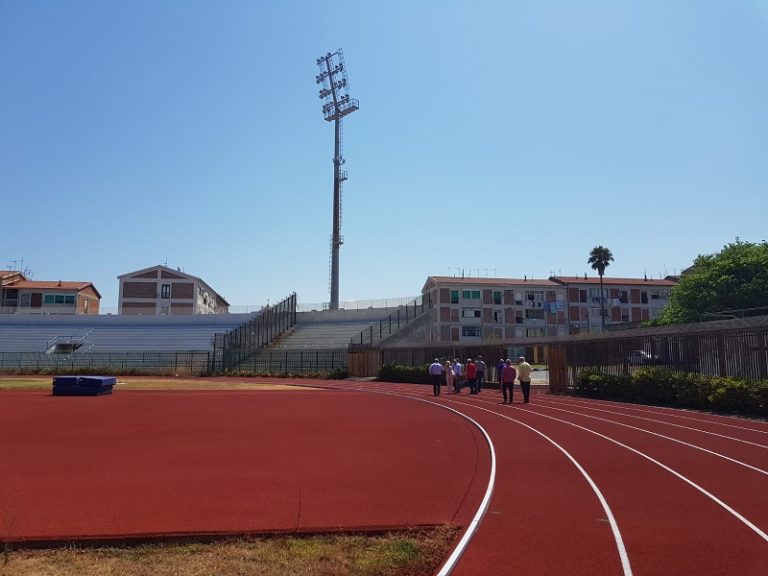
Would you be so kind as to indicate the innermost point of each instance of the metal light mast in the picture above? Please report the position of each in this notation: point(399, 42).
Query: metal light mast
point(337, 104)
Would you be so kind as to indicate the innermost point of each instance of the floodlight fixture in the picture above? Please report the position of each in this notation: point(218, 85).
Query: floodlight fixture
point(337, 103)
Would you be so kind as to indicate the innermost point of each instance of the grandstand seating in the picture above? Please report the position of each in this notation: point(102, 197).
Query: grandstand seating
point(317, 342)
point(40, 333)
point(329, 329)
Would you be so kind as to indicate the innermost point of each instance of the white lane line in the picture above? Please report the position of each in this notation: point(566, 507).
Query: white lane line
point(709, 495)
point(450, 564)
point(671, 412)
point(587, 407)
point(723, 456)
point(622, 551)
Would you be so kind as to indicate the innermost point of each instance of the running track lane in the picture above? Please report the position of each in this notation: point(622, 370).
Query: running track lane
point(667, 524)
point(154, 464)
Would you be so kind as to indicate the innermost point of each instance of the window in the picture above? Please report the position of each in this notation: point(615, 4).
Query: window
point(165, 310)
point(470, 313)
point(624, 317)
point(518, 298)
point(59, 299)
point(498, 316)
point(644, 297)
point(165, 291)
point(582, 295)
point(534, 332)
point(654, 294)
point(623, 296)
point(470, 331)
point(466, 293)
point(497, 296)
point(535, 296)
point(454, 296)
point(534, 313)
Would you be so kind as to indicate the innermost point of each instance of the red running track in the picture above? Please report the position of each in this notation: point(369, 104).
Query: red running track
point(688, 492)
point(581, 487)
point(150, 464)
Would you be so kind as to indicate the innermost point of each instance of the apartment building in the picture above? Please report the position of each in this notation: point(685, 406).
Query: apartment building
point(625, 300)
point(21, 296)
point(162, 290)
point(486, 310)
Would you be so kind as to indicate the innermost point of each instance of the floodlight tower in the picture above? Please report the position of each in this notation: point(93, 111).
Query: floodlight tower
point(336, 105)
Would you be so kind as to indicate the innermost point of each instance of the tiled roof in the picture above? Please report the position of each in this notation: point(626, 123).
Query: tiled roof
point(613, 281)
point(493, 281)
point(54, 284)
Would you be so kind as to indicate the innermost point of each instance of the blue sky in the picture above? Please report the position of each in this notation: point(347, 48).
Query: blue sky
point(502, 138)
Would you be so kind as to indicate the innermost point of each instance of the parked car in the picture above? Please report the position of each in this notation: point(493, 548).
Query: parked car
point(641, 358)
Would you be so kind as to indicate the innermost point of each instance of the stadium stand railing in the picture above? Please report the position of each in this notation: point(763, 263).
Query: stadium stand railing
point(235, 348)
point(379, 331)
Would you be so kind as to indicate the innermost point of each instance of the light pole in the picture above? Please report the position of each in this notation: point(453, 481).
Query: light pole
point(337, 104)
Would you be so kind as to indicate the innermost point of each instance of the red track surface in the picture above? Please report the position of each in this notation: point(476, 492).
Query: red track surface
point(159, 463)
point(688, 491)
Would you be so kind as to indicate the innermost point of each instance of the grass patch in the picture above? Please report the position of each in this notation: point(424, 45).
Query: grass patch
point(407, 553)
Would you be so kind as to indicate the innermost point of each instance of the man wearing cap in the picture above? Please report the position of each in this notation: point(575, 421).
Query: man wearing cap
point(524, 376)
point(436, 375)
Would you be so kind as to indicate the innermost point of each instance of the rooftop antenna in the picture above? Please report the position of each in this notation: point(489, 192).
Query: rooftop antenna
point(336, 105)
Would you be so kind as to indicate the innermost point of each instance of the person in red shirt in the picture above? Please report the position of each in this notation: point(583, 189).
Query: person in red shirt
point(471, 368)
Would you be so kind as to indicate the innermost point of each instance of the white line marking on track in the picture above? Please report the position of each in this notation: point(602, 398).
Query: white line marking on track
point(740, 463)
point(450, 564)
point(672, 412)
point(585, 407)
point(709, 495)
point(625, 565)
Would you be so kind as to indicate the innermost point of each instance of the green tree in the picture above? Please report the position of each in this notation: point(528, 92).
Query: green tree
point(600, 258)
point(733, 279)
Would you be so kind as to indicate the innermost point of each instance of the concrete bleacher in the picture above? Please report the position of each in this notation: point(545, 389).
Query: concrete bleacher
point(40, 333)
point(328, 329)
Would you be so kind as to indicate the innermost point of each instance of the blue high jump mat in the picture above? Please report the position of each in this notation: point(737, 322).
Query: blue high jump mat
point(83, 385)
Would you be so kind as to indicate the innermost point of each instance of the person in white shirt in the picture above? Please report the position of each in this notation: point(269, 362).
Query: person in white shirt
point(436, 375)
point(524, 377)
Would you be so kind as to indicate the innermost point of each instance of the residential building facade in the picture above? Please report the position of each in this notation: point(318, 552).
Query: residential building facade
point(162, 290)
point(624, 300)
point(21, 296)
point(487, 310)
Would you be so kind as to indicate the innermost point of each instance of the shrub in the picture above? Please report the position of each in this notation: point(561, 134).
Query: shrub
point(409, 374)
point(655, 385)
point(730, 395)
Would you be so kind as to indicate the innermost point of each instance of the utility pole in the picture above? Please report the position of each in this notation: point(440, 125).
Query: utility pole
point(337, 104)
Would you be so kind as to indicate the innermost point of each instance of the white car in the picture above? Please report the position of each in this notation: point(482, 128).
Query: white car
point(641, 357)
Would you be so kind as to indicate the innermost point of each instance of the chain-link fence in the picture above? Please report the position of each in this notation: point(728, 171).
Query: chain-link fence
point(154, 363)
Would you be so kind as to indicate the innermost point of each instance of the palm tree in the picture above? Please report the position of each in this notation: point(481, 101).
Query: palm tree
point(600, 258)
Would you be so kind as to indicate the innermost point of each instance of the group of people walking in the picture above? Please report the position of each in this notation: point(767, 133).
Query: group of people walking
point(455, 374)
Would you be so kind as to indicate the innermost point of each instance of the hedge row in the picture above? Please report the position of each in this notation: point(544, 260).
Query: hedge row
point(679, 389)
point(409, 374)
